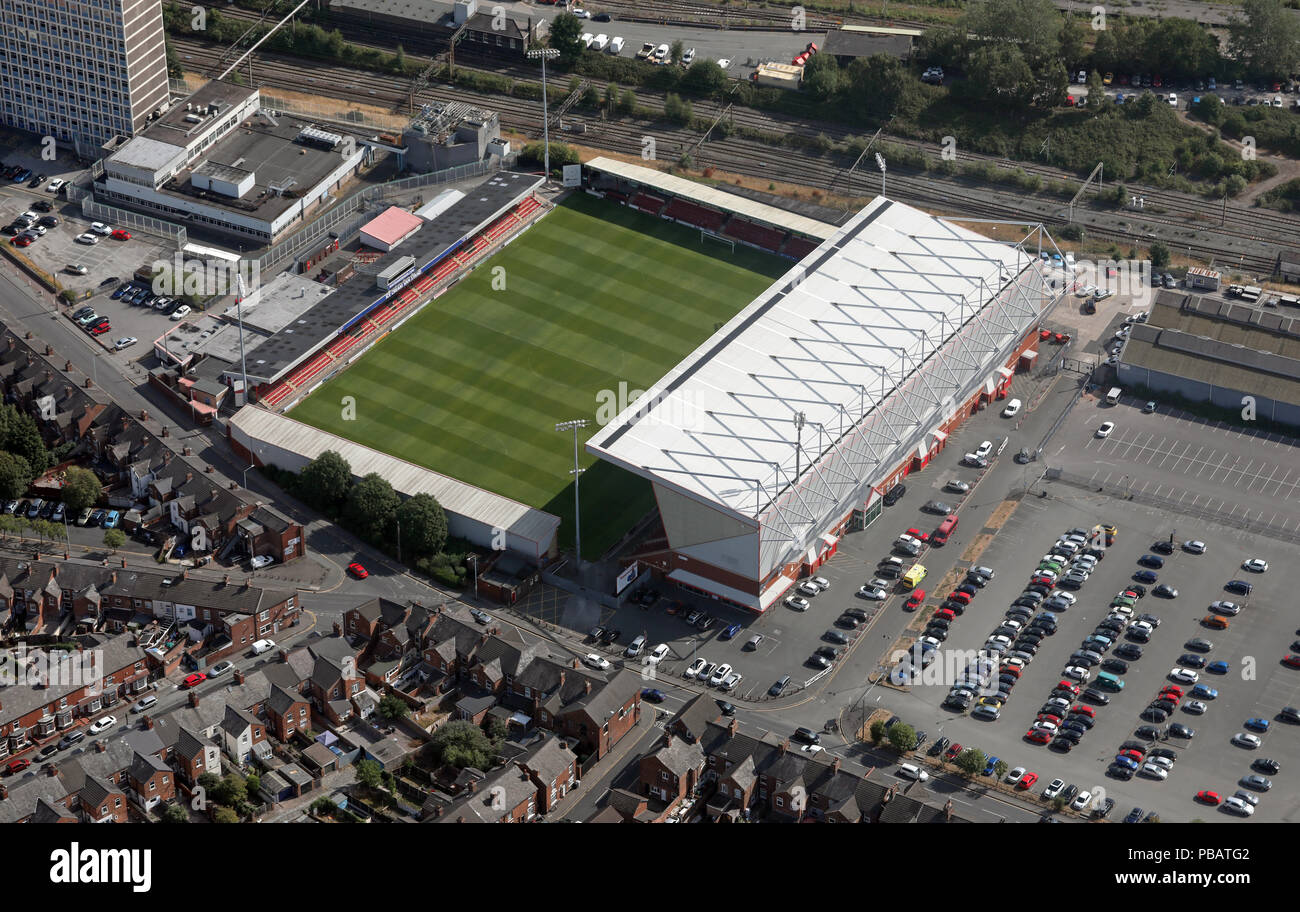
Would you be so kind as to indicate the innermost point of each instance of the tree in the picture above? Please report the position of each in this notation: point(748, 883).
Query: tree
point(1266, 37)
point(902, 737)
point(174, 813)
point(877, 731)
point(11, 525)
point(399, 57)
point(1032, 26)
point(821, 75)
point(627, 102)
point(325, 481)
point(1096, 92)
point(369, 773)
point(971, 761)
point(1000, 769)
point(675, 51)
point(224, 815)
point(424, 526)
point(81, 489)
point(114, 539)
point(705, 77)
point(1180, 48)
point(1159, 255)
point(15, 475)
point(371, 505)
point(566, 37)
point(230, 791)
point(1000, 74)
point(461, 743)
point(20, 436)
point(880, 86)
point(678, 110)
point(392, 707)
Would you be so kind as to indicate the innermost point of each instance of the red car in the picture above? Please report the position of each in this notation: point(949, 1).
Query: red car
point(1081, 710)
point(918, 596)
point(953, 750)
point(1037, 736)
point(1070, 101)
point(945, 613)
point(1175, 692)
point(357, 570)
point(17, 766)
point(963, 597)
point(1208, 797)
point(1049, 717)
point(100, 328)
point(1027, 781)
point(1068, 685)
point(21, 241)
point(1010, 670)
point(1132, 755)
point(1292, 661)
point(194, 680)
point(919, 535)
point(120, 235)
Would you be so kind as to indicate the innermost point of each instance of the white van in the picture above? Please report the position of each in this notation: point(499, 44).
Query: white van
point(262, 646)
point(1112, 398)
point(587, 38)
point(616, 46)
point(912, 771)
point(599, 42)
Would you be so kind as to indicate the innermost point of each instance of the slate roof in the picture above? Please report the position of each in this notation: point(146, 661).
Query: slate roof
point(144, 766)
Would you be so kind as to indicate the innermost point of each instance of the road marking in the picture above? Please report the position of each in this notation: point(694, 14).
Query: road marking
point(1242, 473)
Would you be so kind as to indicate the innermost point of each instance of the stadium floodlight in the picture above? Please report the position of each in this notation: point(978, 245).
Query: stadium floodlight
point(575, 425)
point(880, 163)
point(545, 54)
point(799, 420)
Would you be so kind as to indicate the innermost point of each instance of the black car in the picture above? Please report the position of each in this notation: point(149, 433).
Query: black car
point(779, 687)
point(921, 738)
point(1134, 815)
point(1165, 752)
point(894, 494)
point(1241, 587)
point(1147, 733)
point(1128, 651)
point(1069, 734)
point(1165, 591)
point(938, 633)
point(806, 735)
point(1085, 722)
point(857, 613)
point(1093, 695)
point(835, 637)
point(1162, 547)
point(848, 621)
point(47, 510)
point(817, 661)
point(1154, 714)
point(1064, 745)
point(727, 708)
point(1115, 666)
point(1152, 561)
point(1191, 660)
point(1289, 714)
point(1104, 811)
point(1115, 771)
point(939, 747)
point(1038, 589)
point(43, 206)
point(887, 571)
point(1200, 644)
point(936, 506)
point(1178, 730)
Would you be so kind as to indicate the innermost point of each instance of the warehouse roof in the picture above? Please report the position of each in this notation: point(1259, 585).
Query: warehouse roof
point(712, 196)
point(406, 478)
point(847, 330)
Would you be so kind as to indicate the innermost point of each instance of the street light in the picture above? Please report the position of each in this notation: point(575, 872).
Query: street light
point(474, 558)
point(251, 465)
point(545, 54)
point(880, 163)
point(575, 425)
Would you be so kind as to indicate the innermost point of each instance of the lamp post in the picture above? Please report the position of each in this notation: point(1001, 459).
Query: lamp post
point(575, 425)
point(545, 54)
point(880, 163)
point(474, 558)
point(251, 465)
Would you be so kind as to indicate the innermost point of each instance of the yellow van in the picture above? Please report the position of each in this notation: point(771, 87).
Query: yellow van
point(912, 578)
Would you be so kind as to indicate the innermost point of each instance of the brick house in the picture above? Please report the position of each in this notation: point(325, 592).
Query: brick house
point(287, 712)
point(672, 771)
point(243, 736)
point(553, 768)
point(152, 780)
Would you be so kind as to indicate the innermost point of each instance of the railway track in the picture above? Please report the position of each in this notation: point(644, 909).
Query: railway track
point(1180, 213)
point(755, 160)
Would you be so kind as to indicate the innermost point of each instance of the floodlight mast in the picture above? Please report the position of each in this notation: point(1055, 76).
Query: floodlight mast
point(545, 54)
point(575, 425)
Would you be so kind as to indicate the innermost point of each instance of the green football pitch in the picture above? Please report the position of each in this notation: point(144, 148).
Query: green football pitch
point(594, 294)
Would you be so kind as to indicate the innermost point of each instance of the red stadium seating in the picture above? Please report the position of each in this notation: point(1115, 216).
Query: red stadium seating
point(759, 236)
point(798, 247)
point(685, 211)
point(647, 203)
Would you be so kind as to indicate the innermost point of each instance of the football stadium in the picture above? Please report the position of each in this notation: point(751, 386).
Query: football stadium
point(793, 371)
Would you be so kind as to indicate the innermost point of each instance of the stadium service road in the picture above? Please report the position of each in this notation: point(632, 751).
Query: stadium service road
point(1198, 463)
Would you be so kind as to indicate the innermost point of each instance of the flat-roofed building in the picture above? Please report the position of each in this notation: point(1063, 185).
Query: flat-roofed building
point(82, 72)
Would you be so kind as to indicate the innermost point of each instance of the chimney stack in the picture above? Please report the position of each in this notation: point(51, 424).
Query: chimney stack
point(575, 663)
point(733, 726)
point(67, 365)
point(165, 432)
point(89, 383)
point(835, 765)
point(784, 746)
point(4, 793)
point(338, 628)
point(472, 786)
point(52, 770)
point(189, 476)
point(194, 699)
point(239, 676)
point(148, 723)
point(101, 746)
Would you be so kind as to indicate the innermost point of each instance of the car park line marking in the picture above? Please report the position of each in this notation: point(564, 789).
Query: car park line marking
point(1241, 473)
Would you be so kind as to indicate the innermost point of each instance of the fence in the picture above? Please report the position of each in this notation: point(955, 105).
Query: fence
point(1168, 505)
point(92, 209)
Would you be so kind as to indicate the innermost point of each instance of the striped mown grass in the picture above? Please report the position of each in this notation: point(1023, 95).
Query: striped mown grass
point(594, 294)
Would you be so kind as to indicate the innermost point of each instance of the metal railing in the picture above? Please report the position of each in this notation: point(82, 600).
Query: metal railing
point(170, 231)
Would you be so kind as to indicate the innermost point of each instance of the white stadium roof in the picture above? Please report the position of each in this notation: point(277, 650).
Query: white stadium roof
point(712, 196)
point(838, 336)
